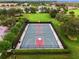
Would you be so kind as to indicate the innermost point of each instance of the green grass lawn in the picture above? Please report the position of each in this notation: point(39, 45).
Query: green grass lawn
point(73, 45)
point(38, 17)
point(76, 11)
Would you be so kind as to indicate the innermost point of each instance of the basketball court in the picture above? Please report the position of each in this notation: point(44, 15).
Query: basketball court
point(39, 35)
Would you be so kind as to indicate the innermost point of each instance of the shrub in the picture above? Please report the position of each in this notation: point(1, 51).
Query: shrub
point(9, 21)
point(18, 25)
point(15, 30)
point(59, 17)
point(4, 45)
point(3, 11)
point(10, 37)
point(11, 12)
point(70, 24)
point(22, 20)
point(26, 10)
point(72, 13)
point(65, 10)
point(45, 10)
point(19, 11)
point(33, 10)
point(62, 17)
point(53, 13)
point(71, 27)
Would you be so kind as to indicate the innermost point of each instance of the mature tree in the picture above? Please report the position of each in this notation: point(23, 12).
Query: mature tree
point(53, 12)
point(72, 13)
point(33, 9)
point(19, 11)
point(9, 22)
point(3, 12)
point(2, 17)
point(27, 10)
point(11, 12)
point(62, 17)
point(71, 27)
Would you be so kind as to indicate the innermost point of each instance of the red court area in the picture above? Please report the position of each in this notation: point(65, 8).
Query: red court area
point(39, 42)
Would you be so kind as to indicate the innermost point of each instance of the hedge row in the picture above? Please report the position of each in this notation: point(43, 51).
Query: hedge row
point(45, 51)
point(42, 51)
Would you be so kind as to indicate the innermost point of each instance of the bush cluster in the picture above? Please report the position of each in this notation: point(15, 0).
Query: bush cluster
point(31, 10)
point(34, 10)
point(4, 45)
point(53, 13)
point(70, 23)
point(10, 12)
point(14, 31)
point(11, 36)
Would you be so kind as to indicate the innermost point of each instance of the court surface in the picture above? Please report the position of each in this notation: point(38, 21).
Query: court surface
point(39, 35)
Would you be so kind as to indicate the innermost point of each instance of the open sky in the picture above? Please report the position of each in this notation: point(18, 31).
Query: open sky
point(44, 0)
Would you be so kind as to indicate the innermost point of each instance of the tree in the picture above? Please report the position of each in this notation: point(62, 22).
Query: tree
point(3, 12)
point(27, 10)
point(2, 18)
point(9, 22)
point(19, 11)
point(53, 12)
point(10, 37)
point(62, 17)
point(11, 12)
point(33, 9)
point(71, 27)
point(72, 13)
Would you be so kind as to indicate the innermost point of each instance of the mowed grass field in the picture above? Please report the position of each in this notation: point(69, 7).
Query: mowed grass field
point(38, 17)
point(76, 11)
point(72, 45)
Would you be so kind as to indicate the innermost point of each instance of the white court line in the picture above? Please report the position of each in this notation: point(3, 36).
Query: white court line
point(56, 37)
point(21, 39)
